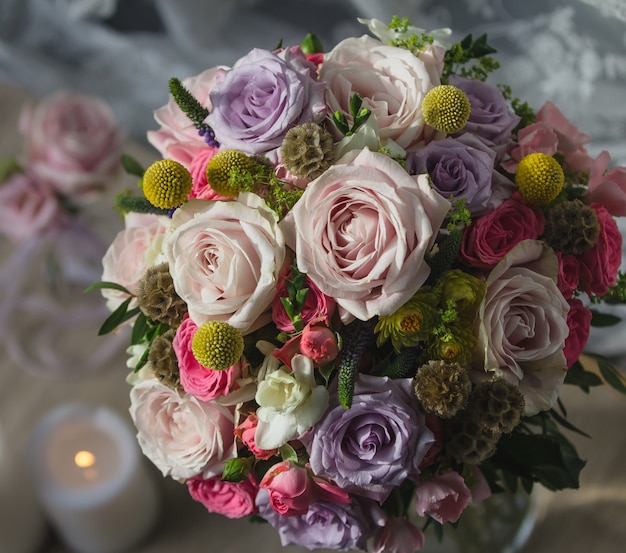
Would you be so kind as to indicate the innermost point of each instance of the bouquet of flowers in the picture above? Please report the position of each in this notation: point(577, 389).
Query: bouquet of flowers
point(356, 283)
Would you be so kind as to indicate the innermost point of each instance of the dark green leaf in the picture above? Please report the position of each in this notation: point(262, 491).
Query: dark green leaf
point(603, 319)
point(108, 285)
point(279, 45)
point(115, 319)
point(527, 485)
point(311, 44)
point(577, 375)
point(301, 298)
point(355, 105)
point(142, 360)
point(132, 166)
point(611, 374)
point(467, 42)
point(341, 122)
point(510, 481)
point(566, 424)
point(140, 329)
point(288, 307)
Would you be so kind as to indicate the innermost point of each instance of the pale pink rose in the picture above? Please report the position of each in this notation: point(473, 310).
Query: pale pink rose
point(398, 536)
point(182, 436)
point(201, 188)
point(231, 499)
point(537, 137)
point(522, 325)
point(443, 497)
point(569, 274)
point(361, 230)
point(319, 343)
point(27, 207)
point(392, 82)
point(225, 259)
point(205, 384)
point(579, 322)
point(608, 187)
point(72, 142)
point(132, 252)
point(245, 432)
point(178, 138)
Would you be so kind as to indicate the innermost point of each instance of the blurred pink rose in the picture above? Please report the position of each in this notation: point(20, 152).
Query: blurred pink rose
point(27, 207)
point(443, 497)
point(205, 384)
point(182, 436)
point(392, 82)
point(361, 230)
point(231, 499)
point(398, 536)
point(72, 142)
point(579, 322)
point(600, 264)
point(245, 432)
point(200, 186)
point(319, 343)
point(178, 138)
point(480, 490)
point(133, 250)
point(608, 186)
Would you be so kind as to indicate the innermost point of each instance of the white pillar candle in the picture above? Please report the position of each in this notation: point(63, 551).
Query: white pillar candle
point(91, 479)
point(22, 524)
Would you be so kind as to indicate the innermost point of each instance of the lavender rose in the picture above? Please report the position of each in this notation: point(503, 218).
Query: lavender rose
point(523, 324)
point(263, 96)
point(375, 445)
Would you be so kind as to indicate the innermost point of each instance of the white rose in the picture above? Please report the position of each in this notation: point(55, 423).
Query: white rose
point(182, 436)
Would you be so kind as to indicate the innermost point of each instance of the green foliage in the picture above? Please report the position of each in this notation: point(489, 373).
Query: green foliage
point(132, 166)
point(311, 44)
point(458, 58)
point(358, 114)
point(577, 375)
point(296, 297)
point(413, 42)
point(124, 202)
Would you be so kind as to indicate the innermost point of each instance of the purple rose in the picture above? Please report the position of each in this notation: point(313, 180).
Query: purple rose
point(491, 120)
point(461, 167)
point(337, 526)
point(263, 96)
point(375, 445)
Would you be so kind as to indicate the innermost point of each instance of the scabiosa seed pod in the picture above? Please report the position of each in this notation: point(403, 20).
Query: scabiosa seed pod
point(442, 388)
point(469, 441)
point(157, 298)
point(497, 405)
point(162, 357)
point(572, 227)
point(307, 150)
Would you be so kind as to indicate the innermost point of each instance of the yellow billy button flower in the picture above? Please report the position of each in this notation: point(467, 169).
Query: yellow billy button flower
point(222, 166)
point(539, 178)
point(217, 345)
point(446, 108)
point(166, 184)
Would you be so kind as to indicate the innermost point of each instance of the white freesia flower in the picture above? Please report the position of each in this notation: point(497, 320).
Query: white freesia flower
point(289, 403)
point(136, 352)
point(387, 35)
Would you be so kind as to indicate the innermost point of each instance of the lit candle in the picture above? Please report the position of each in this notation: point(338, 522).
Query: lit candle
point(91, 479)
point(22, 524)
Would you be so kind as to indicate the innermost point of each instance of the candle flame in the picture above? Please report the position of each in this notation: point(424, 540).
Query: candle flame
point(85, 459)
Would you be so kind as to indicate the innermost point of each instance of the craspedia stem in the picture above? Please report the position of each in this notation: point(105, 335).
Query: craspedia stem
point(356, 339)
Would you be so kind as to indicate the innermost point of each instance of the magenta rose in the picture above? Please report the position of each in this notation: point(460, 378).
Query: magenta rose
point(442, 496)
point(490, 237)
point(205, 384)
point(231, 499)
point(569, 274)
point(73, 143)
point(263, 96)
point(361, 231)
point(178, 137)
point(246, 431)
point(599, 265)
point(579, 323)
point(608, 186)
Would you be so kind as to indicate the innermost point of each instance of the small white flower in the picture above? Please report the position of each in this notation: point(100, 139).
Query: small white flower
point(387, 35)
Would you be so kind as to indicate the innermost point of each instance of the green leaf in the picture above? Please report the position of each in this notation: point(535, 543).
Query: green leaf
point(142, 360)
point(140, 329)
point(132, 166)
point(611, 374)
point(289, 309)
point(311, 44)
point(355, 105)
point(301, 298)
point(340, 121)
point(108, 285)
point(288, 453)
point(577, 375)
point(603, 319)
point(566, 424)
point(115, 319)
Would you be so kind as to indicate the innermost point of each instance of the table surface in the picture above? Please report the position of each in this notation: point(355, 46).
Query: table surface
point(592, 518)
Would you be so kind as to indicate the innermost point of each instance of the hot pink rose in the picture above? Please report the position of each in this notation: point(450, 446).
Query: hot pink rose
point(205, 384)
point(490, 237)
point(200, 186)
point(245, 432)
point(319, 343)
point(569, 274)
point(608, 187)
point(72, 142)
point(579, 322)
point(443, 497)
point(178, 138)
point(600, 264)
point(361, 232)
point(231, 499)
point(398, 536)
point(538, 137)
point(27, 208)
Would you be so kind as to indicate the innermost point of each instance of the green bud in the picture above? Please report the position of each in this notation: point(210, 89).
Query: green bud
point(311, 44)
point(237, 469)
point(465, 290)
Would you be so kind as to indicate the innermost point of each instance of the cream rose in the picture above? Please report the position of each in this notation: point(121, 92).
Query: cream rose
point(361, 231)
point(182, 436)
point(225, 259)
point(523, 324)
point(392, 82)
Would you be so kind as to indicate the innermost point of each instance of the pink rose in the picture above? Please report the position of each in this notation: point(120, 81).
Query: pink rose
point(398, 536)
point(178, 138)
point(319, 343)
point(599, 265)
point(569, 274)
point(225, 258)
point(443, 497)
point(608, 187)
point(490, 237)
point(27, 207)
point(73, 143)
point(480, 489)
point(205, 384)
point(182, 436)
point(579, 323)
point(538, 137)
point(201, 188)
point(231, 499)
point(131, 253)
point(392, 82)
point(245, 432)
point(361, 230)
